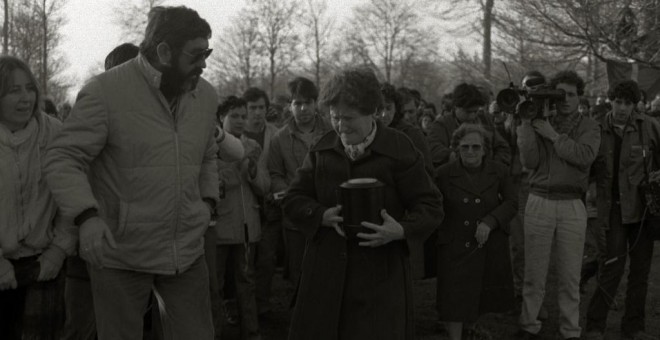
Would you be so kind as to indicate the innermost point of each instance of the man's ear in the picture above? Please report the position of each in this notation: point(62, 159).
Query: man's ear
point(164, 53)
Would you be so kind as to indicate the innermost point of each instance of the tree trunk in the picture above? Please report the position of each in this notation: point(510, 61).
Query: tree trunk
point(5, 29)
point(487, 26)
point(44, 60)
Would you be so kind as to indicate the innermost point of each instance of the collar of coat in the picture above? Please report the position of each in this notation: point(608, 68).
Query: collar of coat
point(633, 123)
point(151, 74)
point(388, 142)
point(456, 171)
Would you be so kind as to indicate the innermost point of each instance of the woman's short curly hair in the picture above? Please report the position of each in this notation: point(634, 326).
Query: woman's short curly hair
point(626, 90)
point(354, 87)
point(466, 129)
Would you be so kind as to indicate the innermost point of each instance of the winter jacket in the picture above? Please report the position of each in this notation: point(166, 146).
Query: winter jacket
point(559, 170)
point(29, 219)
point(149, 167)
point(631, 166)
point(238, 210)
point(349, 291)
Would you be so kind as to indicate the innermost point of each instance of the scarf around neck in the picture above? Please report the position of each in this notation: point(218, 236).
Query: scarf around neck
point(356, 151)
point(565, 124)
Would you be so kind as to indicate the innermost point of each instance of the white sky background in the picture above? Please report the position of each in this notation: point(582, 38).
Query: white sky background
point(91, 32)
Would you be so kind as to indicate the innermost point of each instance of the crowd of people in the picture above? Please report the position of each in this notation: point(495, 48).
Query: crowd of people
point(151, 202)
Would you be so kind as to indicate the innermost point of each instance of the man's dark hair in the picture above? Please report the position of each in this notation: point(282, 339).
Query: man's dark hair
point(626, 90)
point(432, 107)
point(229, 104)
point(120, 55)
point(253, 94)
point(174, 26)
point(403, 97)
point(303, 87)
point(467, 95)
point(570, 78)
point(355, 87)
point(389, 92)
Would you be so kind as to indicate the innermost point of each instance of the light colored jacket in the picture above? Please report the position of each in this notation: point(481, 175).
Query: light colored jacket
point(149, 167)
point(239, 209)
point(29, 220)
point(559, 170)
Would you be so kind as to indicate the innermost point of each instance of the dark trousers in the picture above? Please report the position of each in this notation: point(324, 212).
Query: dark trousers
point(266, 261)
point(12, 306)
point(34, 309)
point(621, 240)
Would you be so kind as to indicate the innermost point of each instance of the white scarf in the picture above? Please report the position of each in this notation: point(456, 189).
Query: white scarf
point(356, 151)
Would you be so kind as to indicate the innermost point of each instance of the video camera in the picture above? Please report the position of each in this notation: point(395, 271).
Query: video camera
point(534, 102)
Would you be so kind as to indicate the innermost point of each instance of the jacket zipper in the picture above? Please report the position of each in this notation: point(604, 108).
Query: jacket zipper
point(178, 189)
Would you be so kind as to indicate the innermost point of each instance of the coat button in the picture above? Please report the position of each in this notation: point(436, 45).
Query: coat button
point(478, 200)
point(466, 223)
point(465, 200)
point(467, 244)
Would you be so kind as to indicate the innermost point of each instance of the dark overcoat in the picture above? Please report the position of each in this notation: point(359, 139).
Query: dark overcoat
point(348, 291)
point(473, 280)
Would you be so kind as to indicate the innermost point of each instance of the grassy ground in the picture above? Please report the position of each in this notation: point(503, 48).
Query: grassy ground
point(493, 326)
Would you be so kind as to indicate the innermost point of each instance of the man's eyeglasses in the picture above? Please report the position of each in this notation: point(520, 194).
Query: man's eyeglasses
point(467, 147)
point(197, 57)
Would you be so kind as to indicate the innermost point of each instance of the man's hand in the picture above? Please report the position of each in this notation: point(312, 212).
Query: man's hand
point(389, 231)
point(93, 233)
point(8, 279)
point(543, 128)
point(331, 218)
point(483, 230)
point(50, 263)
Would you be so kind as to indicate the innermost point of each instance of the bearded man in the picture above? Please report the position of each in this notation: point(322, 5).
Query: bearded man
point(135, 165)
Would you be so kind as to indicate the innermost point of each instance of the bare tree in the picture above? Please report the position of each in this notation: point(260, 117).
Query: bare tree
point(131, 17)
point(277, 34)
point(5, 28)
point(388, 33)
point(241, 56)
point(317, 40)
point(34, 37)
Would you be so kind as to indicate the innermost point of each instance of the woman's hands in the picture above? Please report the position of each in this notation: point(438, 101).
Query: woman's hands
point(331, 218)
point(483, 230)
point(7, 278)
point(389, 231)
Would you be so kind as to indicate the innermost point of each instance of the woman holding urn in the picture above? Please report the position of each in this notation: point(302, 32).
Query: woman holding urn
point(358, 287)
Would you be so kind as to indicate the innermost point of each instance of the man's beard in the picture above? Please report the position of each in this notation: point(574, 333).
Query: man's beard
point(173, 83)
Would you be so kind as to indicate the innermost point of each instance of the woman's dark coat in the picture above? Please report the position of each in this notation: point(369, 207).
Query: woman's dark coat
point(472, 280)
point(348, 291)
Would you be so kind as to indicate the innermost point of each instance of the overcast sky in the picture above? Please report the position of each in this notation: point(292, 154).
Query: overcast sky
point(91, 33)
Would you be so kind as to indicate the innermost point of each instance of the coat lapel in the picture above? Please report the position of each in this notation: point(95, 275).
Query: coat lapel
point(460, 178)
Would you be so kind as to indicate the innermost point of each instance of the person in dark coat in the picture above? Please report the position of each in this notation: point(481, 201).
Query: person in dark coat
point(359, 287)
point(474, 270)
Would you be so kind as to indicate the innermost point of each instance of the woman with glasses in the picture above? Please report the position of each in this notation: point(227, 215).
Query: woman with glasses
point(474, 269)
point(34, 239)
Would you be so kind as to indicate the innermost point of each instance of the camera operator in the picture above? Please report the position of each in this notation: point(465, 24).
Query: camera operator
point(558, 151)
point(629, 143)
